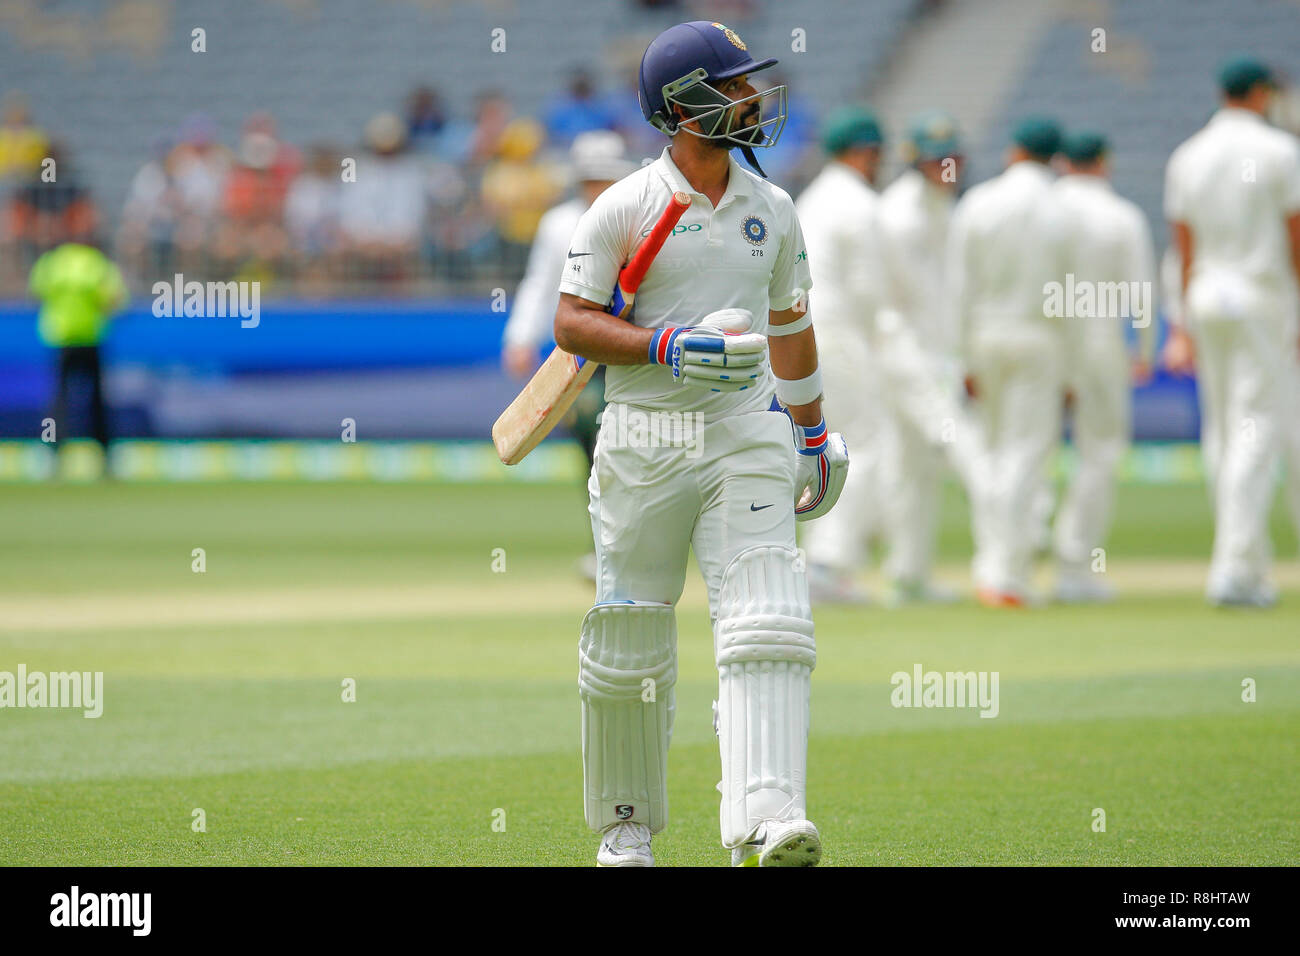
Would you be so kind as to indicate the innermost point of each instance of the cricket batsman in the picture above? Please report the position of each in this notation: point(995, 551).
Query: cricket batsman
point(720, 350)
point(1232, 197)
point(838, 215)
point(1107, 244)
point(598, 160)
point(916, 355)
point(1001, 254)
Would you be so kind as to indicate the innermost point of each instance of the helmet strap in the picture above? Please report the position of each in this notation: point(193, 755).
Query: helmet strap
point(748, 153)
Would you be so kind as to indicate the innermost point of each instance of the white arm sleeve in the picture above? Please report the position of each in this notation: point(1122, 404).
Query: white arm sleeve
point(1144, 267)
point(600, 245)
point(1175, 206)
point(791, 279)
point(1291, 181)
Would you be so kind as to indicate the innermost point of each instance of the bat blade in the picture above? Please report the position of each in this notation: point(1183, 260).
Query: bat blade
point(536, 410)
point(554, 387)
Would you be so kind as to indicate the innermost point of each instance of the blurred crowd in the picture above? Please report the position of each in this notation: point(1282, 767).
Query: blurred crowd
point(42, 200)
point(427, 198)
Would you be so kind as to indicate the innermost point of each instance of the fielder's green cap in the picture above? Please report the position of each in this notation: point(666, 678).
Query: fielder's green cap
point(1084, 147)
point(932, 135)
point(1240, 73)
point(1039, 136)
point(851, 126)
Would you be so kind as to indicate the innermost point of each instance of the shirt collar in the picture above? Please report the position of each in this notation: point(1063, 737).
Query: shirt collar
point(1028, 167)
point(936, 195)
point(738, 183)
point(844, 170)
point(1235, 114)
point(1089, 180)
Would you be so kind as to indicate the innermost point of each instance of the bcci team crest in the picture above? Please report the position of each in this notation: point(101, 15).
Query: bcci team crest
point(755, 230)
point(730, 34)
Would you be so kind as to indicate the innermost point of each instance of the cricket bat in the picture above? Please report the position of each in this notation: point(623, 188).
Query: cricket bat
point(555, 385)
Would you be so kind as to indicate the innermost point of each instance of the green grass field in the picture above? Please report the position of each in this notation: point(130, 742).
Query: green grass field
point(223, 691)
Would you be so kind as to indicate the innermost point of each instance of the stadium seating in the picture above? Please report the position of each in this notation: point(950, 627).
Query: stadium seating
point(110, 82)
point(1154, 86)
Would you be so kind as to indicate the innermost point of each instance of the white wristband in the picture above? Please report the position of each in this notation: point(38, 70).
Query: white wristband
point(790, 328)
point(799, 391)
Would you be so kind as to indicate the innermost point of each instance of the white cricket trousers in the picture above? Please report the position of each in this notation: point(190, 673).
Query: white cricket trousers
point(1019, 373)
point(925, 425)
point(1098, 374)
point(728, 488)
point(1291, 423)
point(1244, 369)
point(853, 406)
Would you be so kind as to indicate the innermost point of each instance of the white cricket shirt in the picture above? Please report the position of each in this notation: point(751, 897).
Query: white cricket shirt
point(837, 212)
point(914, 218)
point(748, 253)
point(1235, 183)
point(1106, 239)
point(1002, 250)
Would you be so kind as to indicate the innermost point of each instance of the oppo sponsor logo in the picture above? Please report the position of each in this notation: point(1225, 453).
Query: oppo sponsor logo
point(679, 229)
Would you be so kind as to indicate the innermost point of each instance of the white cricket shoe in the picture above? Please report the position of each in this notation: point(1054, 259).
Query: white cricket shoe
point(625, 844)
point(1083, 587)
point(781, 843)
point(827, 585)
point(920, 592)
point(1239, 594)
point(747, 853)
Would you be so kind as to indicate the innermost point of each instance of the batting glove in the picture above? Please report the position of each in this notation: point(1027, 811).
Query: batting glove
point(720, 354)
point(822, 466)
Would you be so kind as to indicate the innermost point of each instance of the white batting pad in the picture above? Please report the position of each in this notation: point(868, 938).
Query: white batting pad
point(627, 670)
point(765, 654)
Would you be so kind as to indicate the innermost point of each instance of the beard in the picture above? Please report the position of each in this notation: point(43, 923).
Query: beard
point(748, 130)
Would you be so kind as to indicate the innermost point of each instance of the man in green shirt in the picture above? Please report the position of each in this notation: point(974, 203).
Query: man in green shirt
point(80, 289)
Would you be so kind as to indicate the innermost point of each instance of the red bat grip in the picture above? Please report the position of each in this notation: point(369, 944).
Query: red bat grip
point(629, 280)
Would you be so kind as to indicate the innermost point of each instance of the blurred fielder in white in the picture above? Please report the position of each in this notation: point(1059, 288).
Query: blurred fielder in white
point(1171, 278)
point(1232, 197)
point(1001, 254)
point(837, 211)
point(598, 161)
point(1108, 251)
point(916, 354)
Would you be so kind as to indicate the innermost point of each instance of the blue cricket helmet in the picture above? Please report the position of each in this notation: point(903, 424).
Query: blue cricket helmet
point(684, 65)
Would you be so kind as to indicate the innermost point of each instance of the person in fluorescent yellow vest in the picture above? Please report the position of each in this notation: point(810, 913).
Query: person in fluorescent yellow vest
point(80, 289)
